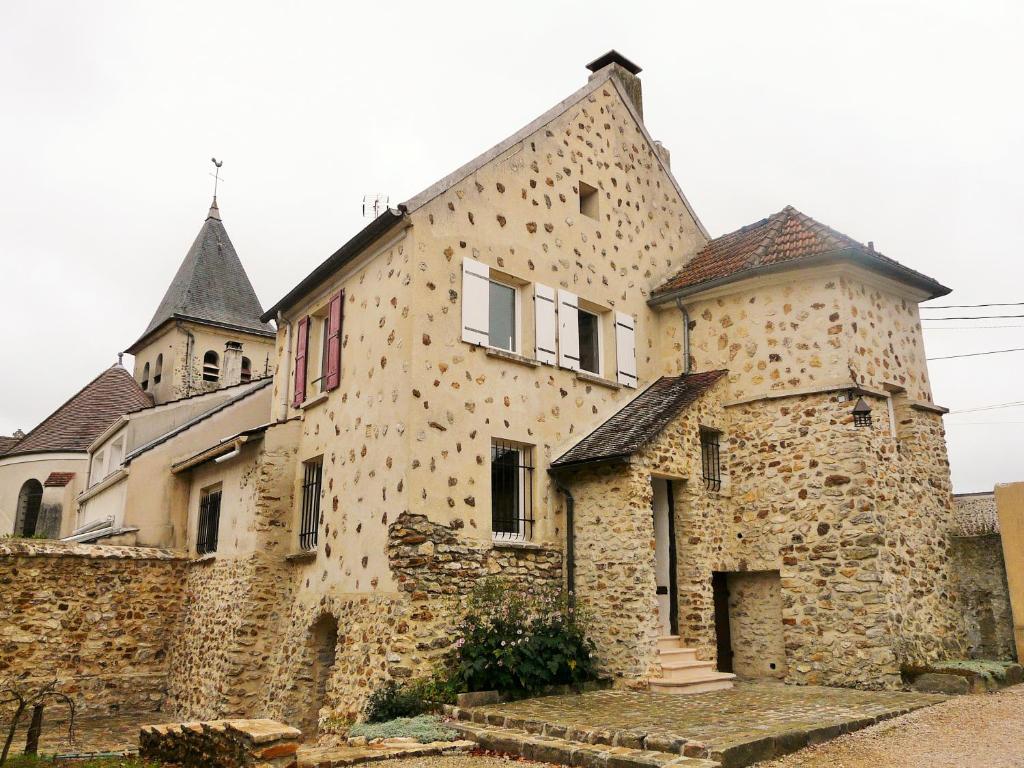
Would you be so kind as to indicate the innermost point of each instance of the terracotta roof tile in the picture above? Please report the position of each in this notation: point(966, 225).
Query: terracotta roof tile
point(640, 420)
point(58, 479)
point(787, 236)
point(78, 422)
point(7, 443)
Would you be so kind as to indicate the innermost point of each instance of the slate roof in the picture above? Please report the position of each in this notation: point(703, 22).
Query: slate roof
point(211, 286)
point(7, 442)
point(78, 422)
point(640, 420)
point(785, 237)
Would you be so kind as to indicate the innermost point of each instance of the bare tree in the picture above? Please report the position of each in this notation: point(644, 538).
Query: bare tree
point(27, 694)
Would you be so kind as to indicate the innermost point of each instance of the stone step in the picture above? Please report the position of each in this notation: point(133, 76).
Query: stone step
point(669, 643)
point(551, 749)
point(687, 671)
point(710, 681)
point(678, 654)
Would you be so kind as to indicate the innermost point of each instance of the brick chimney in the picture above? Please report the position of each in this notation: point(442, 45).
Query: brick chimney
point(625, 71)
point(231, 367)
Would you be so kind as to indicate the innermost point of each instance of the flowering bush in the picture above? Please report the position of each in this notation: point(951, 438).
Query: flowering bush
point(520, 642)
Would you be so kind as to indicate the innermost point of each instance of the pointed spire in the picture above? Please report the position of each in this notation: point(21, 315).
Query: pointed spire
point(214, 210)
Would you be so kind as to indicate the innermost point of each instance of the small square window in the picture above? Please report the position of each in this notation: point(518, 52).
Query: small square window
point(590, 341)
point(588, 200)
point(502, 316)
point(511, 491)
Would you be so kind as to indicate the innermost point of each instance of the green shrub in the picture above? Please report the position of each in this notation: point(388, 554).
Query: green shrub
point(424, 728)
point(520, 642)
point(393, 699)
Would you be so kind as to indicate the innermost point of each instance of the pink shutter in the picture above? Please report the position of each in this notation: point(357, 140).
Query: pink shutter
point(332, 378)
point(301, 346)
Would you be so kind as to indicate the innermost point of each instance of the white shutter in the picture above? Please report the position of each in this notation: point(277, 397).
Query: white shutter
point(625, 349)
point(568, 330)
point(544, 310)
point(476, 291)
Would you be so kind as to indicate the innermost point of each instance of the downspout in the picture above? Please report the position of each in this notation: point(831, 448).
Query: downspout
point(190, 345)
point(570, 541)
point(286, 367)
point(686, 335)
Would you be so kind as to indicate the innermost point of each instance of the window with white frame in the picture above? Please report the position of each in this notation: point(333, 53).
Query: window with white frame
point(503, 316)
point(589, 327)
point(511, 491)
point(491, 308)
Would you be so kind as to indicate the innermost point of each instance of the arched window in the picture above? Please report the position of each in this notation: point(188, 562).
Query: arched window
point(246, 369)
point(158, 369)
point(29, 500)
point(145, 376)
point(211, 366)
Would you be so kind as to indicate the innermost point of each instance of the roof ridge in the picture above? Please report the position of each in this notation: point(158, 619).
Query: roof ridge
point(776, 222)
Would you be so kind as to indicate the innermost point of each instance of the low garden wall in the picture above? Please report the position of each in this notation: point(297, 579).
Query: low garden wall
point(97, 618)
point(222, 744)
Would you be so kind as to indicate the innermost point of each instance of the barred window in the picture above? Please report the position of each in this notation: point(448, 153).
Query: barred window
point(209, 520)
point(310, 523)
point(511, 491)
point(711, 459)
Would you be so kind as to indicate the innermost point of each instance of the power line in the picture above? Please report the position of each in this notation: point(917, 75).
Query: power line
point(972, 306)
point(980, 423)
point(978, 354)
point(976, 317)
point(967, 327)
point(997, 406)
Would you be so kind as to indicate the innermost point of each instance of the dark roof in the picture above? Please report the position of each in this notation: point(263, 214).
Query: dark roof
point(211, 286)
point(786, 237)
point(614, 57)
point(78, 422)
point(337, 260)
point(58, 479)
point(640, 420)
point(7, 442)
point(161, 439)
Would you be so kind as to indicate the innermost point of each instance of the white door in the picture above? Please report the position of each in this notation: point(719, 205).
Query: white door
point(662, 552)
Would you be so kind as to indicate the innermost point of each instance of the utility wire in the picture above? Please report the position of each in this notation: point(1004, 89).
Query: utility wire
point(978, 354)
point(972, 306)
point(1014, 404)
point(967, 327)
point(975, 317)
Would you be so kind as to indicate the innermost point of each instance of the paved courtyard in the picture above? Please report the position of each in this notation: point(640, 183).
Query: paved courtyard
point(752, 721)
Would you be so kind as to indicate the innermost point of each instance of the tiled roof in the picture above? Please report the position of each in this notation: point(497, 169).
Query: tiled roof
point(7, 442)
point(787, 236)
point(78, 422)
point(641, 419)
point(58, 479)
point(211, 286)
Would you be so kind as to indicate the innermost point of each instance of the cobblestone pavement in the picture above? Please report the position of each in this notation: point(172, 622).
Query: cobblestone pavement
point(750, 722)
point(465, 761)
point(983, 731)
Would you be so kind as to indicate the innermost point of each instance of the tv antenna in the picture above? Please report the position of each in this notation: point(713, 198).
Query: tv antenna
point(375, 203)
point(216, 174)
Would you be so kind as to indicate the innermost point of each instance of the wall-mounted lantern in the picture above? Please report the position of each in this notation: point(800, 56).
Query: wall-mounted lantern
point(861, 413)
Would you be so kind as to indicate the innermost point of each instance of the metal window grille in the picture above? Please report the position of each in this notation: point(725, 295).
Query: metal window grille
point(511, 491)
point(310, 523)
point(209, 522)
point(711, 459)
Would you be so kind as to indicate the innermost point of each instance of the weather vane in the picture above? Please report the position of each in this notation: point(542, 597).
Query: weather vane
point(216, 175)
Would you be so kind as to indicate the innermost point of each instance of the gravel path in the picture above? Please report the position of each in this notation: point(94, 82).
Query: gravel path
point(984, 731)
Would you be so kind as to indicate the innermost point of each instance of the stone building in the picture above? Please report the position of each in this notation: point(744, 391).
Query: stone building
point(543, 367)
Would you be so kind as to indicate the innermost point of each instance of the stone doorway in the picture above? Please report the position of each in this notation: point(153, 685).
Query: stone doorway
point(667, 591)
point(323, 650)
point(748, 622)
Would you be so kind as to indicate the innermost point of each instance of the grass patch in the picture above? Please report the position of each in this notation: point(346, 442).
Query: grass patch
point(424, 728)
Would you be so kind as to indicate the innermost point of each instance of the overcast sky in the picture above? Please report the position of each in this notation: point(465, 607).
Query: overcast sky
point(898, 122)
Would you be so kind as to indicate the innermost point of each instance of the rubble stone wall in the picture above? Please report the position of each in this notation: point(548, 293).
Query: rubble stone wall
point(99, 618)
point(755, 624)
point(984, 596)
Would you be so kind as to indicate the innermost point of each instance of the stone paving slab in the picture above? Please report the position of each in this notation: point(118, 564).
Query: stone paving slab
point(332, 757)
point(737, 727)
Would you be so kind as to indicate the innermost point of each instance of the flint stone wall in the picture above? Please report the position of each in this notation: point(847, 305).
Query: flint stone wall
point(755, 624)
point(99, 618)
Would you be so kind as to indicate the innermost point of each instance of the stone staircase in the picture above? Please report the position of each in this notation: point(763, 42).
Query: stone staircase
point(683, 672)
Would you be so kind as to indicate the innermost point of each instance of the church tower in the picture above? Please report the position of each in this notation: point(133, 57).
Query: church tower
point(206, 333)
